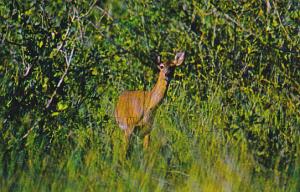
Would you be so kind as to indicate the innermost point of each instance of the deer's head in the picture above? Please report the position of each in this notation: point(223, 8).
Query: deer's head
point(167, 68)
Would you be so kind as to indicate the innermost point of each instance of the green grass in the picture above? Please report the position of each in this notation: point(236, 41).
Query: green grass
point(192, 149)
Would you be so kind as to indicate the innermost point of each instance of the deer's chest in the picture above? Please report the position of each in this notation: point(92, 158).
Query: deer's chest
point(147, 121)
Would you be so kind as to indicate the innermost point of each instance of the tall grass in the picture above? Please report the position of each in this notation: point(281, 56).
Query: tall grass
point(192, 149)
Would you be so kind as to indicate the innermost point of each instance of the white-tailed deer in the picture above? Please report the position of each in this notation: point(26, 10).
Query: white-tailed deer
point(137, 108)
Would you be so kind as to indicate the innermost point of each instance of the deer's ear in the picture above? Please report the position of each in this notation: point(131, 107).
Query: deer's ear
point(158, 60)
point(179, 58)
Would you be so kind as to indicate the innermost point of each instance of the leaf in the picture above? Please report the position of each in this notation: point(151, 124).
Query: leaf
point(45, 84)
point(53, 53)
point(28, 12)
point(117, 58)
point(55, 114)
point(62, 106)
point(40, 44)
point(100, 90)
point(260, 13)
point(94, 71)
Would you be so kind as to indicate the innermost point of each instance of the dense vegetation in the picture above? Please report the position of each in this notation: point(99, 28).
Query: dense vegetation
point(230, 121)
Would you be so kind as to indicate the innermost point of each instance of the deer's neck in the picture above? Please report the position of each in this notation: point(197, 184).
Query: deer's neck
point(158, 91)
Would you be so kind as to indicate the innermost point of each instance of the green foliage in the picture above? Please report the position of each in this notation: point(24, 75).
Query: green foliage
point(230, 120)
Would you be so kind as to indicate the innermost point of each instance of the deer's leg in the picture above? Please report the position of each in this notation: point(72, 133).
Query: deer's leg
point(146, 141)
point(146, 133)
point(128, 133)
point(127, 138)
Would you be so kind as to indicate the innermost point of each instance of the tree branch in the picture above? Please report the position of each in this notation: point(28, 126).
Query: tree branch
point(68, 61)
point(90, 9)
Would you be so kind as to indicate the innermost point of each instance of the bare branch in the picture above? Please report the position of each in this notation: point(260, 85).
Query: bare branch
point(24, 136)
point(268, 6)
point(28, 68)
point(90, 9)
point(105, 13)
point(68, 61)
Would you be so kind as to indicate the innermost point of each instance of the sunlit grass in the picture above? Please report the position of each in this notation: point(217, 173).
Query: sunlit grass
point(191, 150)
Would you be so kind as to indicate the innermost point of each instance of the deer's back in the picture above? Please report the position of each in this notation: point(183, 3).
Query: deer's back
point(131, 108)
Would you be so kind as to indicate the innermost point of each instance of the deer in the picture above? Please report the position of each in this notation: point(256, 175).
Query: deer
point(137, 108)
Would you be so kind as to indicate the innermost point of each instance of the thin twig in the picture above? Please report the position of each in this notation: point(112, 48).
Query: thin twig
point(30, 130)
point(105, 13)
point(24, 136)
point(90, 9)
point(268, 6)
point(68, 61)
point(28, 68)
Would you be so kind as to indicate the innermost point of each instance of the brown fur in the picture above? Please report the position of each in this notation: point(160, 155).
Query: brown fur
point(137, 108)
